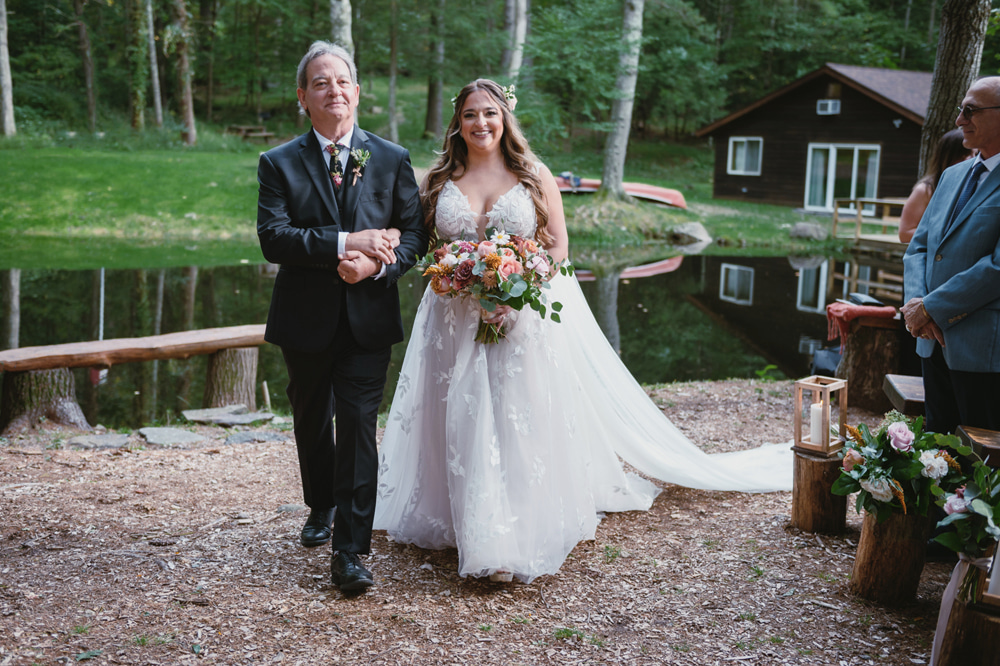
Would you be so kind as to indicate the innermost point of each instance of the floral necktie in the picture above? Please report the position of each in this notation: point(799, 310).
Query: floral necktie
point(336, 168)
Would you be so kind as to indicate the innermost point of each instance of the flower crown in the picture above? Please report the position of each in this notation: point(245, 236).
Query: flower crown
point(508, 94)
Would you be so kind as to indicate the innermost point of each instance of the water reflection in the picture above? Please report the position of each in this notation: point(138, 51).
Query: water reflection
point(692, 318)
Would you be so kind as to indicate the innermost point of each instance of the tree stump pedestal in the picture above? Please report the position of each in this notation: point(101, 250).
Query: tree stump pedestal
point(35, 394)
point(972, 635)
point(871, 351)
point(890, 558)
point(814, 507)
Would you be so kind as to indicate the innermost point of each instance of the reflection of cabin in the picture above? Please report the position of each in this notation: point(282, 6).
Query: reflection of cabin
point(840, 132)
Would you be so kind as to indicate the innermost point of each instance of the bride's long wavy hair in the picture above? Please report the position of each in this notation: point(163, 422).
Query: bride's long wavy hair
point(517, 155)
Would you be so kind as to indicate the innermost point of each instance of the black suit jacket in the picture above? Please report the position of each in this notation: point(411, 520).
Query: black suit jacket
point(298, 222)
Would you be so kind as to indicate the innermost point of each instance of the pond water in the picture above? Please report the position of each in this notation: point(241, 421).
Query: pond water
point(706, 317)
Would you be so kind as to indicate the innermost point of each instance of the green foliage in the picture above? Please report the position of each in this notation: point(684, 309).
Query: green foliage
point(574, 50)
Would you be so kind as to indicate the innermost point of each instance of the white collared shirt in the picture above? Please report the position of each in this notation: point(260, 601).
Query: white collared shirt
point(343, 155)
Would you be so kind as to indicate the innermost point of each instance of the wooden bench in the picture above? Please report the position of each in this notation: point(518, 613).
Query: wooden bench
point(984, 443)
point(27, 368)
point(906, 393)
point(243, 130)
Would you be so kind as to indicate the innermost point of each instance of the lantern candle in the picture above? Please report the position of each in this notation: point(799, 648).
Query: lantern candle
point(994, 587)
point(816, 423)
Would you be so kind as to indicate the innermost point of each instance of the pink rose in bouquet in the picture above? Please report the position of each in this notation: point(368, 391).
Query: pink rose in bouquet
point(509, 266)
point(956, 503)
point(463, 275)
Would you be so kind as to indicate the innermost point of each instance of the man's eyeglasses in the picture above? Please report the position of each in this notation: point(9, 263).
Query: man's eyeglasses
point(968, 111)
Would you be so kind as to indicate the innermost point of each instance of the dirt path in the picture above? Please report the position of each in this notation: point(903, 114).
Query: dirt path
point(170, 556)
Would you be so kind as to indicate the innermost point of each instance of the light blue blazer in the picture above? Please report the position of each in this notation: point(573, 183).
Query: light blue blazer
point(958, 273)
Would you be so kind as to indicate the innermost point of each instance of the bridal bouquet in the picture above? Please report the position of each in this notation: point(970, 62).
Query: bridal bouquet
point(504, 269)
point(898, 467)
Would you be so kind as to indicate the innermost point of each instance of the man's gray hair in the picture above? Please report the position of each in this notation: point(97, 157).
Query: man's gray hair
point(321, 48)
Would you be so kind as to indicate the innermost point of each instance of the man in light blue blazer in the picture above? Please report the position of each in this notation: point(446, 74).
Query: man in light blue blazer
point(952, 277)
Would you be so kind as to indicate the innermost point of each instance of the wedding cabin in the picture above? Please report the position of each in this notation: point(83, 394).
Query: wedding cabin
point(840, 132)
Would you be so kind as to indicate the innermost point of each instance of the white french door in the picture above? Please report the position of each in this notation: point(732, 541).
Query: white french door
point(841, 171)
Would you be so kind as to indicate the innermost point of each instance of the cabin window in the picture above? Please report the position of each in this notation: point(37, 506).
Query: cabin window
point(838, 173)
point(744, 155)
point(812, 289)
point(736, 284)
point(827, 107)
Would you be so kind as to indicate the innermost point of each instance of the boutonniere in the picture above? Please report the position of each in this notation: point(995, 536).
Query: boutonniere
point(360, 158)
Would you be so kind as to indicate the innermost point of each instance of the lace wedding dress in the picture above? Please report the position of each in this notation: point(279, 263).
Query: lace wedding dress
point(509, 451)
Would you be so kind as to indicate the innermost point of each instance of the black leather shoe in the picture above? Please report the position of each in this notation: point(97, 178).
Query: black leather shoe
point(316, 531)
point(348, 573)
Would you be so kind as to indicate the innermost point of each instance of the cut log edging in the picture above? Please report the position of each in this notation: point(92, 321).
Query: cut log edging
point(232, 371)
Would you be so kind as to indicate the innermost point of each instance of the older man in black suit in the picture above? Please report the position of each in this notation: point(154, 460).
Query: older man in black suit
point(338, 208)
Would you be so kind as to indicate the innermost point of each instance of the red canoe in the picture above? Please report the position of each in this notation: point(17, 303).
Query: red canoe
point(661, 195)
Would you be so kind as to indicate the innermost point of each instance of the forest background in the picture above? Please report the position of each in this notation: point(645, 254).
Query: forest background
point(700, 60)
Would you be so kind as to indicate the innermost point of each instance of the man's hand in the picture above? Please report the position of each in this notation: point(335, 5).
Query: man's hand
point(377, 243)
point(919, 323)
point(357, 266)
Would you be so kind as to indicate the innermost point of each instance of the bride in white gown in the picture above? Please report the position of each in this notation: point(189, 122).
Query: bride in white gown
point(510, 451)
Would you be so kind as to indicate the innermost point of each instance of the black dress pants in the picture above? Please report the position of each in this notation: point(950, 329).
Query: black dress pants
point(339, 463)
point(954, 397)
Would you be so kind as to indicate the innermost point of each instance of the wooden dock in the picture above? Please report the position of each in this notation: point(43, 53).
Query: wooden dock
point(884, 213)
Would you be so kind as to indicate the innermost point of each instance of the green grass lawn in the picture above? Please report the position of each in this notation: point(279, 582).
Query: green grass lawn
point(128, 200)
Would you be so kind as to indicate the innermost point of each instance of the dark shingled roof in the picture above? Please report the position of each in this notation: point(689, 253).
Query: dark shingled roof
point(908, 93)
point(911, 90)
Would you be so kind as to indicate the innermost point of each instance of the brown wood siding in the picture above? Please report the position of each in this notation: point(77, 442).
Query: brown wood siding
point(789, 124)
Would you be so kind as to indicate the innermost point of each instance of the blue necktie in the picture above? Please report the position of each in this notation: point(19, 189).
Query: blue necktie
point(967, 191)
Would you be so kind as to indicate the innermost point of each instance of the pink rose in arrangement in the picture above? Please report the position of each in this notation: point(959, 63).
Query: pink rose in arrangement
point(466, 247)
point(539, 264)
point(508, 266)
point(901, 437)
point(485, 248)
point(507, 253)
point(441, 285)
point(956, 503)
point(439, 253)
point(463, 275)
point(852, 458)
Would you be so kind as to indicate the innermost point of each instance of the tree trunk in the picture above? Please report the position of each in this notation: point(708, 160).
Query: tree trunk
point(141, 325)
point(10, 298)
point(340, 24)
point(232, 378)
point(88, 64)
point(606, 309)
point(972, 635)
point(814, 507)
point(154, 72)
point(516, 27)
point(870, 353)
point(6, 82)
point(208, 13)
point(393, 64)
point(959, 53)
point(138, 61)
point(434, 123)
point(183, 50)
point(890, 558)
point(29, 397)
point(621, 109)
point(187, 323)
point(157, 330)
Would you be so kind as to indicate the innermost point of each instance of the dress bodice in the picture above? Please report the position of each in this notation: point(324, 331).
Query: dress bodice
point(513, 213)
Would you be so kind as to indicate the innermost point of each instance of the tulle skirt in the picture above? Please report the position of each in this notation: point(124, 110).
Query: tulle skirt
point(510, 451)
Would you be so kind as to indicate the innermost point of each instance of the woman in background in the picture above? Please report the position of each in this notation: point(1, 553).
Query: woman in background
point(948, 151)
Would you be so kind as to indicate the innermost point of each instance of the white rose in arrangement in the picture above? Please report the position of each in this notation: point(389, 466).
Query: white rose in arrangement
point(935, 466)
point(449, 260)
point(879, 488)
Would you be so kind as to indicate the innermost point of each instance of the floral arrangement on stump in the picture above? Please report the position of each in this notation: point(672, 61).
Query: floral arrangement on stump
point(898, 468)
point(972, 524)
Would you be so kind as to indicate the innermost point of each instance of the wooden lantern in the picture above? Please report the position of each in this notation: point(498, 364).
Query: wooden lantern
point(817, 467)
point(822, 390)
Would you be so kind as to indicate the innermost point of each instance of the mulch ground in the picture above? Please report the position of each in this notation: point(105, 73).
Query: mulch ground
point(148, 555)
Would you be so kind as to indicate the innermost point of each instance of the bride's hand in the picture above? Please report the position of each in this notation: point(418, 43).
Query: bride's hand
point(498, 315)
point(376, 243)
